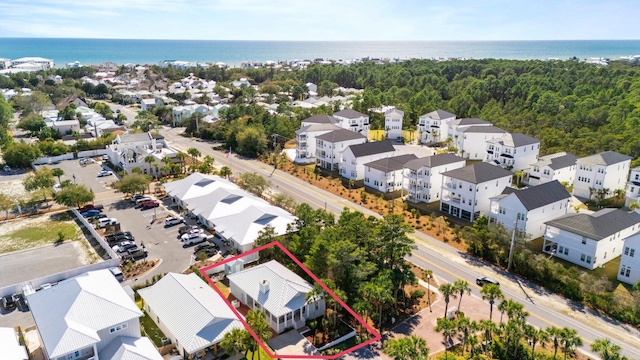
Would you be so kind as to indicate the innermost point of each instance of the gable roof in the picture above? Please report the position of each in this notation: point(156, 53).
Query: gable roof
point(10, 348)
point(514, 140)
point(598, 225)
point(196, 185)
point(245, 226)
point(371, 148)
point(320, 119)
point(433, 161)
point(349, 114)
point(439, 115)
point(538, 196)
point(317, 127)
point(70, 314)
point(557, 161)
point(391, 163)
point(604, 158)
point(478, 173)
point(483, 129)
point(340, 135)
point(130, 348)
point(470, 121)
point(194, 313)
point(287, 291)
point(129, 138)
point(394, 112)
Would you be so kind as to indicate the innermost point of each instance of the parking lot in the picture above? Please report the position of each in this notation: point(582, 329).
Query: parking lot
point(86, 175)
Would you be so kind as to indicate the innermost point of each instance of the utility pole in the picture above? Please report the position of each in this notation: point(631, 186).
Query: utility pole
point(513, 241)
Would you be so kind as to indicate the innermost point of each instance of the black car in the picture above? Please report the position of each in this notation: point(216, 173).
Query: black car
point(184, 229)
point(209, 252)
point(204, 246)
point(481, 281)
point(9, 302)
point(134, 254)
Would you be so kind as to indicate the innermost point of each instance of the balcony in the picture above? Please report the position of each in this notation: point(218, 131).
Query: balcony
point(455, 199)
point(509, 156)
point(450, 185)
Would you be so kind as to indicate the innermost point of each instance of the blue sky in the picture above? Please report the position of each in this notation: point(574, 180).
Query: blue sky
point(322, 19)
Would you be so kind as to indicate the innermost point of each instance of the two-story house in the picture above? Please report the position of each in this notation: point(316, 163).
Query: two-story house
point(632, 193)
point(355, 156)
point(456, 126)
point(513, 152)
point(590, 240)
point(432, 127)
point(423, 179)
point(559, 166)
point(386, 175)
point(467, 192)
point(601, 175)
point(306, 141)
point(89, 316)
point(629, 269)
point(472, 141)
point(528, 209)
point(393, 123)
point(129, 151)
point(329, 147)
point(353, 120)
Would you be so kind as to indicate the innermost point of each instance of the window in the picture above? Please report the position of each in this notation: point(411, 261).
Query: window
point(560, 249)
point(626, 250)
point(627, 272)
point(582, 257)
point(502, 210)
point(546, 171)
point(631, 252)
point(588, 259)
point(566, 251)
point(520, 216)
point(584, 240)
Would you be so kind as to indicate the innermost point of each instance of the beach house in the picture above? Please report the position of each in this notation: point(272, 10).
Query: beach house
point(355, 156)
point(629, 269)
point(393, 123)
point(632, 191)
point(329, 147)
point(386, 175)
point(559, 166)
point(601, 175)
point(433, 127)
point(423, 176)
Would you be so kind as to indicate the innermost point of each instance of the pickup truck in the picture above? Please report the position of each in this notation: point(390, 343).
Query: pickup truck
point(148, 204)
point(134, 254)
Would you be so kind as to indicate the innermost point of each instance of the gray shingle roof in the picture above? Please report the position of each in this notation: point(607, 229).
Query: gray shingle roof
point(321, 119)
point(439, 115)
point(557, 161)
point(472, 121)
point(433, 161)
point(349, 114)
point(317, 127)
point(598, 225)
point(129, 138)
point(604, 158)
point(370, 148)
point(340, 135)
point(391, 163)
point(484, 129)
point(515, 140)
point(478, 173)
point(394, 112)
point(541, 195)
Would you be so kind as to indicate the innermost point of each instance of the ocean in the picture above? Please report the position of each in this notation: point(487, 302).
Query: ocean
point(97, 51)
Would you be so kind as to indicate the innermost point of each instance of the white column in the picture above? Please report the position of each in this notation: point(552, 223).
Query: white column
point(95, 352)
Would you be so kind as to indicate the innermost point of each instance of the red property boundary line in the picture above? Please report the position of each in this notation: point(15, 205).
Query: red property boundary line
point(371, 330)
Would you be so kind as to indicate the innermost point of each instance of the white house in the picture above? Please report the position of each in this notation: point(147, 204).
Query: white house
point(194, 316)
point(423, 179)
point(472, 141)
point(181, 113)
point(10, 348)
point(590, 240)
point(632, 193)
point(279, 293)
point(306, 141)
point(456, 126)
point(513, 152)
point(608, 170)
point(353, 120)
point(329, 146)
point(129, 151)
point(529, 208)
point(65, 126)
point(41, 63)
point(355, 156)
point(386, 175)
point(467, 192)
point(559, 166)
point(433, 126)
point(393, 123)
point(628, 271)
point(89, 316)
point(147, 104)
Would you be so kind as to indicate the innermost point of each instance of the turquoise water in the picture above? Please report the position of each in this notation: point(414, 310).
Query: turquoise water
point(96, 51)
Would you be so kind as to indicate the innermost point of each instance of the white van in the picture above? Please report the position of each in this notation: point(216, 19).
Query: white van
point(107, 221)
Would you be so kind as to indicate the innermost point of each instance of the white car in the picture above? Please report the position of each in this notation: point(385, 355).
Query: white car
point(195, 230)
point(107, 221)
point(105, 173)
point(86, 161)
point(174, 220)
point(190, 239)
point(122, 245)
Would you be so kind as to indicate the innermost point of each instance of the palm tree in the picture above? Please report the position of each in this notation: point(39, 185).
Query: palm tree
point(634, 206)
point(619, 193)
point(407, 348)
point(502, 308)
point(379, 293)
point(492, 293)
point(181, 156)
point(225, 172)
point(149, 159)
point(257, 320)
point(535, 336)
point(606, 349)
point(515, 311)
point(449, 331)
point(448, 292)
point(234, 342)
point(363, 309)
point(488, 328)
point(208, 160)
point(466, 328)
point(461, 287)
point(570, 340)
point(195, 153)
point(555, 335)
point(57, 172)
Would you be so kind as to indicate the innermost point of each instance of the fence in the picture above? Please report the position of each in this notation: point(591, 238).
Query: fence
point(95, 234)
point(339, 340)
point(69, 156)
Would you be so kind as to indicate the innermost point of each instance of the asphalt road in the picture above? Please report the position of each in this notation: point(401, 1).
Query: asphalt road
point(446, 262)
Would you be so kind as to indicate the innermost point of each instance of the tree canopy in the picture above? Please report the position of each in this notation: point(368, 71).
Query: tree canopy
point(133, 184)
point(74, 195)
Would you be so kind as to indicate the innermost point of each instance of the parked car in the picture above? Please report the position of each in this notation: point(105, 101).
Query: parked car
point(91, 212)
point(6, 168)
point(136, 197)
point(105, 157)
point(107, 221)
point(9, 302)
point(86, 161)
point(192, 239)
point(119, 237)
point(117, 273)
point(174, 220)
point(124, 246)
point(204, 246)
point(97, 217)
point(208, 252)
point(91, 207)
point(192, 230)
point(184, 229)
point(134, 254)
point(148, 204)
point(105, 173)
point(481, 281)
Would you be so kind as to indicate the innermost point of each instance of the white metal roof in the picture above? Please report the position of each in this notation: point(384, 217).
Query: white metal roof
point(195, 314)
point(130, 348)
point(10, 349)
point(287, 291)
point(244, 227)
point(70, 314)
point(223, 202)
point(196, 185)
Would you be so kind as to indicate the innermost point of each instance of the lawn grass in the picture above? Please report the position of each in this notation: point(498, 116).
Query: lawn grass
point(223, 288)
point(40, 232)
point(254, 354)
point(151, 329)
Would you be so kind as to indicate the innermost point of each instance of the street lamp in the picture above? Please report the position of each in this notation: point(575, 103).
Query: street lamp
point(74, 179)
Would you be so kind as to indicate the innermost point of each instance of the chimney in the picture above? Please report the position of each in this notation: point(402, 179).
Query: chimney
point(264, 287)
